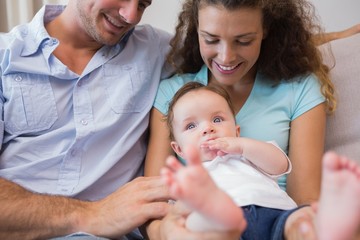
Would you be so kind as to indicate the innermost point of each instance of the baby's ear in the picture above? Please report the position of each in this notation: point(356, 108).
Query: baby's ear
point(237, 130)
point(177, 149)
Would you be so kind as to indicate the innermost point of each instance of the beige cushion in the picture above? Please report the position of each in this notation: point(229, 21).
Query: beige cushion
point(343, 128)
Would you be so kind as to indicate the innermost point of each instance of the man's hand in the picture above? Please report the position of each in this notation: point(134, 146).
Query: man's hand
point(129, 207)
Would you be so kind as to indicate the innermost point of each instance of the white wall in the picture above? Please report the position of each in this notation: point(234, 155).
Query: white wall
point(163, 14)
point(14, 12)
point(335, 14)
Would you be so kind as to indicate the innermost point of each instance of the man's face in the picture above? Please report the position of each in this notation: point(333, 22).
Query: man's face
point(107, 21)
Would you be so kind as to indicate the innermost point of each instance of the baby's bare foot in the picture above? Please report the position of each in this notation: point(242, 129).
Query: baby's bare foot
point(338, 215)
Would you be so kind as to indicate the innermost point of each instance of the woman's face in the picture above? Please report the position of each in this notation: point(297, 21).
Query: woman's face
point(230, 42)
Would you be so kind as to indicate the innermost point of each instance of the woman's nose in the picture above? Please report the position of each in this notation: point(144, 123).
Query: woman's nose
point(226, 54)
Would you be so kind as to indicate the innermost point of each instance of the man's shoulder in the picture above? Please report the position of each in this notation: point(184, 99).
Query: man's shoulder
point(26, 33)
point(15, 34)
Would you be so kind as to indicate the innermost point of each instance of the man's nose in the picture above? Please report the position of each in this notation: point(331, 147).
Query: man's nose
point(129, 12)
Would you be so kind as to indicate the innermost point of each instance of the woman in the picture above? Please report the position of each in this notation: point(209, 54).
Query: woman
point(264, 55)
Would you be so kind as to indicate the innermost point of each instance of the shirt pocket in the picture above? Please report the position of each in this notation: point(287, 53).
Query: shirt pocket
point(127, 86)
point(29, 103)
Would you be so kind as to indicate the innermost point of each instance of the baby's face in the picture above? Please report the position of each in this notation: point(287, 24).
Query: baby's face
point(200, 116)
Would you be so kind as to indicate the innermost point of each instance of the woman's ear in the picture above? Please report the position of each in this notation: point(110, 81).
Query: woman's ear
point(177, 149)
point(265, 32)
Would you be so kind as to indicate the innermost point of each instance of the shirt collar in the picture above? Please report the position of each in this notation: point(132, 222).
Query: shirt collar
point(35, 34)
point(202, 75)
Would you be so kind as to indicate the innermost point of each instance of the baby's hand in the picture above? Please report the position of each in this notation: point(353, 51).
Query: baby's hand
point(225, 145)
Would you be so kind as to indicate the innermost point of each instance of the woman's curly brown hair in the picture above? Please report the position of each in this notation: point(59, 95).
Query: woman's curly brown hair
point(287, 52)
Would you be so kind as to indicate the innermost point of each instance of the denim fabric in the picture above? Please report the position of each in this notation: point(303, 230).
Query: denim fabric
point(87, 236)
point(79, 236)
point(265, 223)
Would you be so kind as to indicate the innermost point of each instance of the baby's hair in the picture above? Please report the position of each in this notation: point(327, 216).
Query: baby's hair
point(194, 86)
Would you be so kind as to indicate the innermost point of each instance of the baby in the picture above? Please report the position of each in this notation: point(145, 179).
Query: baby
point(224, 171)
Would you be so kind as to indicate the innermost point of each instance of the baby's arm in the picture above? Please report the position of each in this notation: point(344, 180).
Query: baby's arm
point(266, 156)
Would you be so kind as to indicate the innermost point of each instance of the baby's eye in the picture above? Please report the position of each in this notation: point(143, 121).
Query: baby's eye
point(190, 126)
point(217, 119)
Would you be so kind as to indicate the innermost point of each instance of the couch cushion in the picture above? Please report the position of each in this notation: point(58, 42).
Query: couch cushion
point(343, 127)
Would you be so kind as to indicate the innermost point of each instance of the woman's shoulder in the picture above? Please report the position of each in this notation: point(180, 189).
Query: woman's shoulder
point(297, 95)
point(168, 87)
point(178, 80)
point(307, 86)
point(296, 84)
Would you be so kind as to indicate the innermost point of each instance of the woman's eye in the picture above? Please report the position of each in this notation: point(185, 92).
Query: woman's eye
point(217, 119)
point(207, 41)
point(245, 43)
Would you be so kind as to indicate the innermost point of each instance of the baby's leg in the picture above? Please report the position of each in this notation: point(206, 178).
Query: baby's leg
point(338, 213)
point(350, 31)
point(193, 185)
point(338, 210)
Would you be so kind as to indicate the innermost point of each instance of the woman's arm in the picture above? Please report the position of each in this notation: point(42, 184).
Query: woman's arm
point(158, 150)
point(159, 147)
point(307, 137)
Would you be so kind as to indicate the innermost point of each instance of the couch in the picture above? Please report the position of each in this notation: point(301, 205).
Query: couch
point(343, 127)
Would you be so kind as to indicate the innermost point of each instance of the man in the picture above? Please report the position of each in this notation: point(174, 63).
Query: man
point(77, 84)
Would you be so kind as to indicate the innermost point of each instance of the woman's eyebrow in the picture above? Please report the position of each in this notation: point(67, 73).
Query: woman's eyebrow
point(237, 36)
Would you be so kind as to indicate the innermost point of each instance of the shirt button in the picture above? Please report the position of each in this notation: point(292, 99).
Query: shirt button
point(84, 122)
point(18, 78)
point(52, 42)
point(73, 152)
point(79, 84)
